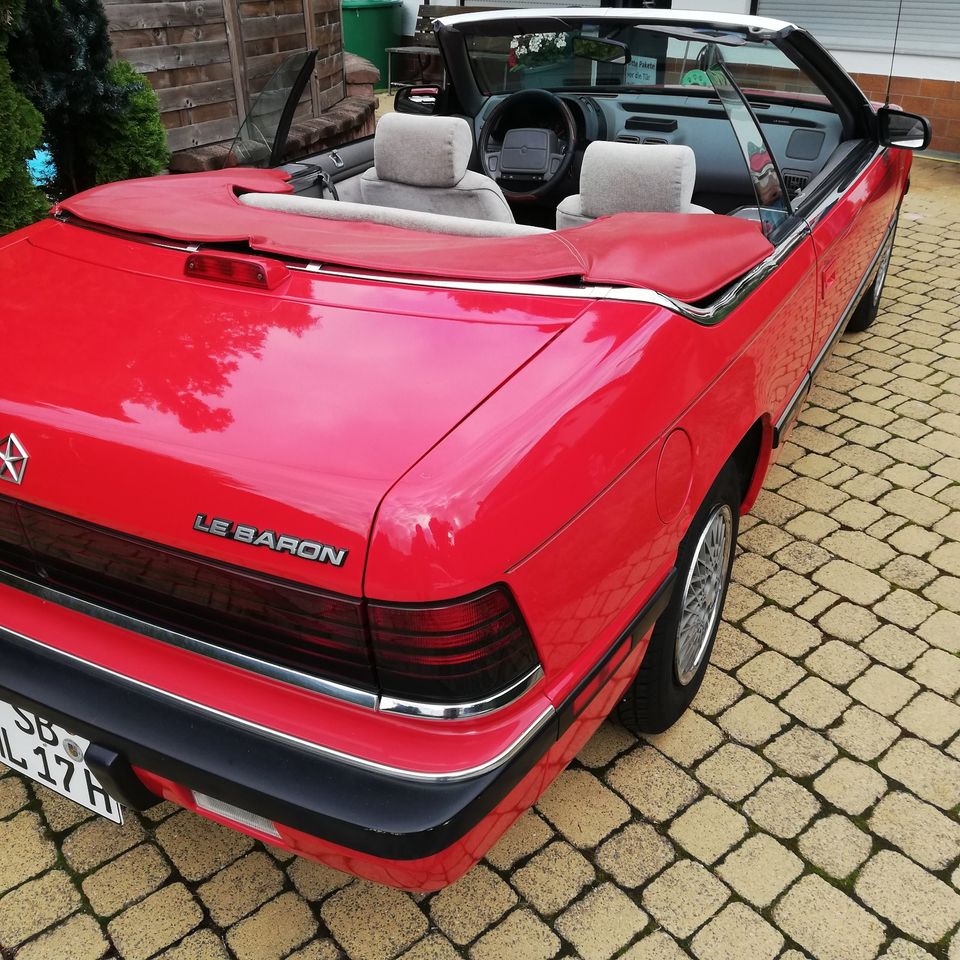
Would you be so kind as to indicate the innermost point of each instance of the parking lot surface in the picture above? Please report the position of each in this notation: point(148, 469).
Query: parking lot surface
point(806, 806)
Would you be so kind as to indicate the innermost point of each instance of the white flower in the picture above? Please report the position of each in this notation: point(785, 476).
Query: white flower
point(561, 42)
point(513, 43)
point(535, 44)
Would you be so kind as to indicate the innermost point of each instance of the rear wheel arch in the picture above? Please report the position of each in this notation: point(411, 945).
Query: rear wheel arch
point(751, 458)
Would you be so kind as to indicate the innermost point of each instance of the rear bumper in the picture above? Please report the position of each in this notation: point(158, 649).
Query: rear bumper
point(375, 812)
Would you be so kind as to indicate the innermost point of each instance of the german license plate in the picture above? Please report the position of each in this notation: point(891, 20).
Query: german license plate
point(50, 755)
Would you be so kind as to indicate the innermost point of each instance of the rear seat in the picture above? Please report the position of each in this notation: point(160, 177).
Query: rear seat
point(388, 216)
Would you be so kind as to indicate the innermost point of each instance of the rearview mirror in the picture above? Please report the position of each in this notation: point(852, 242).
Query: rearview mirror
point(899, 129)
point(602, 51)
point(424, 101)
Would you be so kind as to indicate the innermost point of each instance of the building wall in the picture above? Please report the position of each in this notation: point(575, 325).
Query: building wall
point(208, 59)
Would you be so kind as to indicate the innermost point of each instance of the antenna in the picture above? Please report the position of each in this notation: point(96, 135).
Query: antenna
point(893, 52)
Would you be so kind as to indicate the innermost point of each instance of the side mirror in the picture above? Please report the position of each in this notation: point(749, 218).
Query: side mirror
point(424, 101)
point(899, 129)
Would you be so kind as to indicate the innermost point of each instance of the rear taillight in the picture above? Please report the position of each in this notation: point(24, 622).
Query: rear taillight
point(458, 652)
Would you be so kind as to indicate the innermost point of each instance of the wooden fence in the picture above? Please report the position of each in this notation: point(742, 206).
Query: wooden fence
point(208, 59)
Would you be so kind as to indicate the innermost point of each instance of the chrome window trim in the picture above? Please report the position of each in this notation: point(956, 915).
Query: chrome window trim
point(420, 776)
point(337, 691)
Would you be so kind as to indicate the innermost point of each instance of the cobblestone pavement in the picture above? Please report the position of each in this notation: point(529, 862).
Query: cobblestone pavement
point(806, 807)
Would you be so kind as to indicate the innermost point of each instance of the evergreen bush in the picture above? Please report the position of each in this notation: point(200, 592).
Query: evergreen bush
point(21, 202)
point(133, 142)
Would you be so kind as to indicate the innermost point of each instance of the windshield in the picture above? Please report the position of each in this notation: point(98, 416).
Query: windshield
point(566, 59)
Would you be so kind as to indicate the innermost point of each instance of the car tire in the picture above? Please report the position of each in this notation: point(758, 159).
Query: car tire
point(866, 312)
point(679, 651)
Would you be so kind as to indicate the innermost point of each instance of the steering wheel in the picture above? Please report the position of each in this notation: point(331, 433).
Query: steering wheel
point(528, 161)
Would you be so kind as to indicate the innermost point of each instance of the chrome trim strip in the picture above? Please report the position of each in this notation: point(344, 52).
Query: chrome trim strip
point(457, 711)
point(420, 776)
point(706, 316)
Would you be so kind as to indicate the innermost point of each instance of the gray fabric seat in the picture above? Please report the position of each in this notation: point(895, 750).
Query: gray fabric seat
point(420, 163)
point(389, 216)
point(631, 178)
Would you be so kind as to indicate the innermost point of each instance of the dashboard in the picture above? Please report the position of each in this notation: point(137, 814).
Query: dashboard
point(801, 137)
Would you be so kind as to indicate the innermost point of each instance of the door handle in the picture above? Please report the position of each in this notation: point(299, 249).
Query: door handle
point(829, 278)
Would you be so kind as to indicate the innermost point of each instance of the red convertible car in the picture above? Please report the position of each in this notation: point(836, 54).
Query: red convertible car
point(343, 499)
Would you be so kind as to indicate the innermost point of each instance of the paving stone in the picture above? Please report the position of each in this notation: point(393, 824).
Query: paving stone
point(905, 950)
point(708, 829)
point(770, 674)
point(812, 526)
point(527, 835)
point(313, 881)
point(921, 831)
point(126, 879)
point(851, 786)
point(13, 796)
point(553, 877)
point(433, 947)
point(908, 572)
point(930, 716)
point(99, 840)
point(740, 603)
point(859, 548)
point(684, 897)
point(688, 740)
point(26, 850)
point(36, 905)
point(60, 813)
point(635, 855)
point(815, 702)
point(733, 772)
point(848, 580)
point(781, 807)
point(883, 690)
point(925, 771)
point(783, 632)
point(606, 745)
point(945, 592)
point(847, 621)
point(199, 847)
point(657, 946)
point(400, 922)
point(800, 752)
point(753, 720)
point(274, 930)
point(652, 784)
point(465, 909)
point(602, 923)
point(863, 733)
point(915, 507)
point(79, 938)
point(942, 630)
point(939, 671)
point(905, 609)
point(582, 808)
point(732, 647)
point(827, 923)
point(152, 924)
point(760, 869)
point(837, 662)
point(835, 845)
point(521, 936)
point(913, 900)
point(737, 931)
point(207, 945)
point(717, 692)
point(914, 540)
point(240, 888)
point(893, 646)
point(786, 589)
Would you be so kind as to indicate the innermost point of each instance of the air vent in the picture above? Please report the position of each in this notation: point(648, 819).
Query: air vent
point(795, 180)
point(654, 140)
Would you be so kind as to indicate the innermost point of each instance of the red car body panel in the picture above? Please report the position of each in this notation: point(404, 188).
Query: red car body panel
point(450, 438)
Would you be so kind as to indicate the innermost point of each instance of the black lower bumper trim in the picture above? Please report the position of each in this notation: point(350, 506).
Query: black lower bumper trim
point(372, 812)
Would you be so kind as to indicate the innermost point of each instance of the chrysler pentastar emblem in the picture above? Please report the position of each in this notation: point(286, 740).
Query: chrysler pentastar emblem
point(13, 459)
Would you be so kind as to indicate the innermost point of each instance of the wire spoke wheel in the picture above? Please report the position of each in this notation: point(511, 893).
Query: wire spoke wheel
point(703, 593)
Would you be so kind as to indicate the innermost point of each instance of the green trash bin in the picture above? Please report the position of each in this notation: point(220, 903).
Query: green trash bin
point(369, 27)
